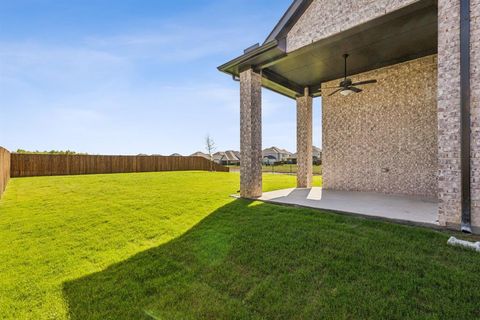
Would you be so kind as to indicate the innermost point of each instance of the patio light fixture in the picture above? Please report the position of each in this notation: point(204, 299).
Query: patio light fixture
point(346, 92)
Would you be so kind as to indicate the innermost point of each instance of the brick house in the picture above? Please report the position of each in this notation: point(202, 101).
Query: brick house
point(276, 154)
point(416, 131)
point(316, 156)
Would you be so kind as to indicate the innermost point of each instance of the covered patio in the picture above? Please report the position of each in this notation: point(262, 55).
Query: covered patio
point(403, 209)
point(390, 148)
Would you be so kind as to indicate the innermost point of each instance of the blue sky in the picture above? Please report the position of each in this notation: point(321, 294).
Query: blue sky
point(130, 76)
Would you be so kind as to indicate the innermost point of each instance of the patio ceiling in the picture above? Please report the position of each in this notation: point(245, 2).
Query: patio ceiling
point(405, 34)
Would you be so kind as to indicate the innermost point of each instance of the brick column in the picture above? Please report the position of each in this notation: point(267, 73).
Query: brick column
point(304, 141)
point(250, 134)
point(449, 180)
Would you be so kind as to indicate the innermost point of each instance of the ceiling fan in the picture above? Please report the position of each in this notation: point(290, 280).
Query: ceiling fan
point(347, 87)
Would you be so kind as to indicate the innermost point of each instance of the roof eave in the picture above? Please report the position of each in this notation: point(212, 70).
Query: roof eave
point(253, 57)
point(272, 51)
point(260, 59)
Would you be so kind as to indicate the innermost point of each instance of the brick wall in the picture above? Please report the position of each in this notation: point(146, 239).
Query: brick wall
point(327, 17)
point(324, 18)
point(385, 138)
point(475, 105)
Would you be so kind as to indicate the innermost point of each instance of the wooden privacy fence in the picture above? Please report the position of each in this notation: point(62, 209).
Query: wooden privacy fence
point(30, 165)
point(4, 169)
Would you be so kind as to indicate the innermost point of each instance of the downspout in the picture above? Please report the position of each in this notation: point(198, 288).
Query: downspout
point(465, 125)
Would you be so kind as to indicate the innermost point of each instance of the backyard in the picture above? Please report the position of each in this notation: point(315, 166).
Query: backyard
point(282, 168)
point(174, 245)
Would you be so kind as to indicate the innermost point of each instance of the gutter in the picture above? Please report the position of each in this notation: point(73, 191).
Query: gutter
point(251, 54)
point(260, 59)
point(465, 114)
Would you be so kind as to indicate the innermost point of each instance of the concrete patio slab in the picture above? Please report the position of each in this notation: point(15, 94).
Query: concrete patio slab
point(404, 209)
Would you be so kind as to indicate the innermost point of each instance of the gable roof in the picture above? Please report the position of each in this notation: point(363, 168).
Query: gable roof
point(232, 155)
point(200, 154)
point(229, 155)
point(288, 20)
point(236, 153)
point(276, 150)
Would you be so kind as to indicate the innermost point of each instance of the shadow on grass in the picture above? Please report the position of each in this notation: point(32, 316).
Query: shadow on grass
point(260, 261)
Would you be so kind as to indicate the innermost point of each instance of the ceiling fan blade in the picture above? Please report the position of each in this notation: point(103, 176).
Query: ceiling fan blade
point(331, 94)
point(356, 90)
point(364, 82)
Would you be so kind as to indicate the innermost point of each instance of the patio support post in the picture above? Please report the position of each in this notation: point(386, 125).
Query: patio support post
point(465, 118)
point(304, 141)
point(250, 134)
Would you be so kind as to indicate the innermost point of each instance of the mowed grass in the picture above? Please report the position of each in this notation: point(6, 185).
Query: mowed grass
point(290, 168)
point(283, 168)
point(175, 246)
point(55, 229)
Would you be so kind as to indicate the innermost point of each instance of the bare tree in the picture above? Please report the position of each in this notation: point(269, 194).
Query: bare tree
point(210, 148)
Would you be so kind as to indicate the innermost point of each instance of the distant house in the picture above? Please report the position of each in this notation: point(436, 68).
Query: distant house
point(229, 157)
point(316, 156)
point(276, 154)
point(176, 155)
point(200, 154)
point(269, 160)
point(292, 158)
point(237, 154)
point(218, 156)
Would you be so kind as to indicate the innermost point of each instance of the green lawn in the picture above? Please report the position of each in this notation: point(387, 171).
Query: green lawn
point(283, 168)
point(175, 246)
